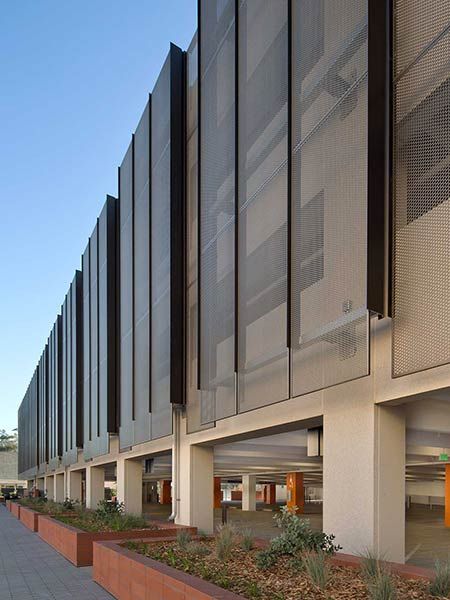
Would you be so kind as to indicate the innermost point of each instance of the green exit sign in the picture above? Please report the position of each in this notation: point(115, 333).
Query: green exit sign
point(443, 456)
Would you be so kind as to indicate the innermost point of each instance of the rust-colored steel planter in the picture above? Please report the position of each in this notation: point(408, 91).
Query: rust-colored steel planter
point(29, 518)
point(76, 544)
point(15, 509)
point(130, 576)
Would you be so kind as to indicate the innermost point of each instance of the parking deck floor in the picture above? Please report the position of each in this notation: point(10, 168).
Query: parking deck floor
point(31, 570)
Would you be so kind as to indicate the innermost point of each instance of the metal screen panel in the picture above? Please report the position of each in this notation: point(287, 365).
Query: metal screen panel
point(126, 298)
point(192, 392)
point(421, 228)
point(42, 457)
point(263, 202)
point(94, 334)
point(86, 349)
point(55, 417)
point(141, 227)
point(160, 254)
point(329, 316)
point(217, 208)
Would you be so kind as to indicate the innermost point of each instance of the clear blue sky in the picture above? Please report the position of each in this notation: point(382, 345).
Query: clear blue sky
point(74, 79)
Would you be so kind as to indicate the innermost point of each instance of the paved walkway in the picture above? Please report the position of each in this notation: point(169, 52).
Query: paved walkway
point(31, 570)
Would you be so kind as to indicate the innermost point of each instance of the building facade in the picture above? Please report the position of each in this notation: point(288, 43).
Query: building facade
point(276, 261)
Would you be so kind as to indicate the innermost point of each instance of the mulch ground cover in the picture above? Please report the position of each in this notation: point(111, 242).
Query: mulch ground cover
point(287, 580)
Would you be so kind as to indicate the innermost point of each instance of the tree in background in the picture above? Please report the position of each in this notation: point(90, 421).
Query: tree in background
point(8, 441)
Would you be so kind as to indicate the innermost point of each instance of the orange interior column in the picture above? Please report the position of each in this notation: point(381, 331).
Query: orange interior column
point(217, 493)
point(165, 492)
point(295, 491)
point(447, 495)
point(271, 493)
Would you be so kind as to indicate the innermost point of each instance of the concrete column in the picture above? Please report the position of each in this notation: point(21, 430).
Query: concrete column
point(129, 485)
point(364, 474)
point(74, 485)
point(40, 485)
point(217, 493)
point(196, 488)
point(165, 491)
point(58, 493)
point(95, 486)
point(49, 487)
point(447, 495)
point(248, 492)
point(295, 491)
point(270, 493)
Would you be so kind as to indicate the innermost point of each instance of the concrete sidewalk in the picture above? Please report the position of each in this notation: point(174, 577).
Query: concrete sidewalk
point(30, 569)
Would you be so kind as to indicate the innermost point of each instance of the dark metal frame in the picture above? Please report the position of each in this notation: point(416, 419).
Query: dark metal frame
point(379, 156)
point(177, 225)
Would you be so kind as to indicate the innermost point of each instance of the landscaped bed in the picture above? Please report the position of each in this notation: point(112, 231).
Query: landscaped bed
point(297, 564)
point(72, 534)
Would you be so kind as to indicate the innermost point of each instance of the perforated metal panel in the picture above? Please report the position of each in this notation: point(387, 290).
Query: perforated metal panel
point(329, 193)
point(263, 203)
point(55, 416)
point(217, 208)
point(160, 254)
point(126, 299)
point(421, 275)
point(142, 417)
point(42, 454)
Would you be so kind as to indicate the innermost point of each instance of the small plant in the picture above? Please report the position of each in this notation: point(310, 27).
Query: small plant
point(197, 549)
point(297, 536)
point(247, 541)
point(382, 587)
point(317, 567)
point(253, 590)
point(371, 565)
point(183, 538)
point(69, 504)
point(440, 586)
point(224, 542)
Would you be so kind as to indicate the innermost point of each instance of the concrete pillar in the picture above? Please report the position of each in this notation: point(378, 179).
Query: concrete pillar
point(165, 491)
point(248, 492)
point(447, 495)
point(58, 493)
point(49, 487)
point(295, 491)
point(95, 486)
point(40, 485)
point(196, 488)
point(74, 485)
point(270, 493)
point(217, 493)
point(364, 474)
point(129, 485)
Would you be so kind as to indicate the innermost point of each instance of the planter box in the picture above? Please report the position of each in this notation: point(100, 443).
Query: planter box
point(29, 518)
point(130, 576)
point(76, 544)
point(15, 509)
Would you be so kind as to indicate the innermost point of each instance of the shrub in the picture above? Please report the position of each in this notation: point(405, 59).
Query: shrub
point(105, 508)
point(440, 586)
point(317, 567)
point(197, 549)
point(224, 542)
point(183, 538)
point(382, 587)
point(247, 541)
point(297, 536)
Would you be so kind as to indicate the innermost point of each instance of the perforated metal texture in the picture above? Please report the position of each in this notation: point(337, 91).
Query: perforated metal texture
point(42, 454)
point(55, 394)
point(28, 430)
point(421, 228)
point(329, 193)
point(126, 298)
point(262, 200)
point(141, 227)
point(217, 208)
point(99, 392)
point(160, 255)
